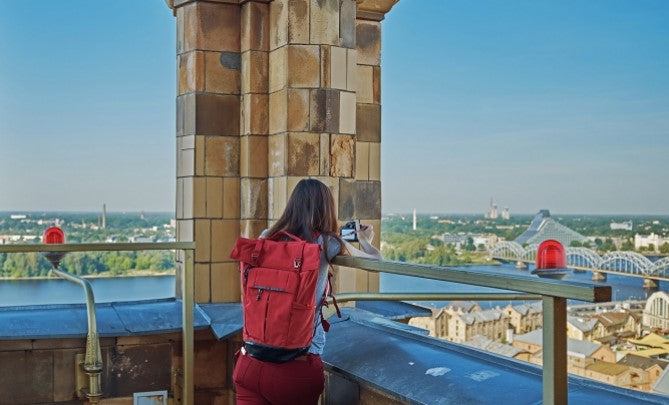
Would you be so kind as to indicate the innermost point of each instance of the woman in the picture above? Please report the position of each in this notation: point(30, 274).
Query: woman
point(309, 214)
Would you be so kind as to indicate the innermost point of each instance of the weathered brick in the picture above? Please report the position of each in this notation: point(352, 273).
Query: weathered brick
point(298, 110)
point(298, 21)
point(338, 67)
point(201, 228)
point(221, 156)
point(277, 157)
point(253, 159)
point(347, 24)
point(324, 22)
point(254, 198)
point(367, 200)
point(255, 72)
point(365, 86)
point(231, 197)
point(341, 155)
point(362, 161)
point(368, 38)
point(324, 110)
point(278, 69)
point(278, 111)
point(368, 122)
point(138, 369)
point(225, 283)
point(224, 232)
point(211, 27)
point(29, 379)
point(222, 72)
point(255, 26)
point(208, 114)
point(347, 110)
point(303, 150)
point(201, 281)
point(191, 72)
point(303, 66)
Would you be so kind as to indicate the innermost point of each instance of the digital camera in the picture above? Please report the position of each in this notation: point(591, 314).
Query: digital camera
point(348, 233)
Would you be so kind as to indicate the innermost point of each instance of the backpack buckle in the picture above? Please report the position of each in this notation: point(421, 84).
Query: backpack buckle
point(297, 263)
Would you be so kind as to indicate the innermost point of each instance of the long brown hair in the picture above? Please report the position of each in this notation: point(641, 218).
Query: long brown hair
point(310, 212)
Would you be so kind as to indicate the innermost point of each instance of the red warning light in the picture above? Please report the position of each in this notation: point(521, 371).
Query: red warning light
point(551, 255)
point(53, 235)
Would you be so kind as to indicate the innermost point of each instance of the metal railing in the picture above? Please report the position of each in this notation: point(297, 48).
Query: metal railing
point(187, 292)
point(553, 293)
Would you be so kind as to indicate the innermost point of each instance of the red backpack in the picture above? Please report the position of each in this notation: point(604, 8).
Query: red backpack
point(279, 292)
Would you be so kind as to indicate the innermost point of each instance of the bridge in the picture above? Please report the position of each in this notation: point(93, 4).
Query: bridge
point(580, 258)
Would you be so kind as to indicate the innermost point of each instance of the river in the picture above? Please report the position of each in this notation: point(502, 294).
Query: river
point(57, 291)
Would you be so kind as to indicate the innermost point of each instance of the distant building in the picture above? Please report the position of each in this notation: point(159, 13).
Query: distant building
point(492, 212)
point(642, 241)
point(489, 345)
point(506, 214)
point(656, 313)
point(624, 226)
point(544, 227)
point(17, 216)
point(580, 354)
point(460, 322)
point(604, 326)
point(525, 317)
point(619, 375)
point(649, 370)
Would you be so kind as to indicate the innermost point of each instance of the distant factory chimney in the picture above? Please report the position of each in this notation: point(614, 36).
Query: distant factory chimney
point(104, 216)
point(414, 219)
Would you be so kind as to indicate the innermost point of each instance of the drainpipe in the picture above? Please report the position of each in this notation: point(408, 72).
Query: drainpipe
point(93, 359)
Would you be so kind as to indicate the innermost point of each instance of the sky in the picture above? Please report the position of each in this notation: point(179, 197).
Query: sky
point(557, 105)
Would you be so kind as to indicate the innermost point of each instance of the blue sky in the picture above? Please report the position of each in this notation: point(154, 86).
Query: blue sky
point(560, 105)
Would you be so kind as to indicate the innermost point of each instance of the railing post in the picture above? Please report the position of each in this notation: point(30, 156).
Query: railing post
point(188, 397)
point(554, 350)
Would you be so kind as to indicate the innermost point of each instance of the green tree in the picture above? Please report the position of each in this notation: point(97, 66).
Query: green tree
point(664, 249)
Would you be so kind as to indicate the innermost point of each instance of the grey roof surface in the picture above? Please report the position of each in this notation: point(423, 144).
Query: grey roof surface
point(393, 309)
point(113, 319)
point(489, 345)
point(487, 315)
point(574, 347)
point(523, 309)
point(641, 362)
point(544, 227)
point(584, 326)
point(419, 369)
point(661, 386)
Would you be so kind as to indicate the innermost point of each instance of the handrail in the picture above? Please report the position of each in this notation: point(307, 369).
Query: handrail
point(541, 286)
point(92, 367)
point(96, 247)
point(554, 295)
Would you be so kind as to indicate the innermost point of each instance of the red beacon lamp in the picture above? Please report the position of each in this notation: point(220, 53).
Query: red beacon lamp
point(52, 236)
point(551, 260)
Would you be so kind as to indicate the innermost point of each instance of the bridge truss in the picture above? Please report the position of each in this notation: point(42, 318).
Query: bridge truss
point(630, 263)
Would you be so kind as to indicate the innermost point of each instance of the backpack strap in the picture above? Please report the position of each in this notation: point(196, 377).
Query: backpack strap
point(324, 303)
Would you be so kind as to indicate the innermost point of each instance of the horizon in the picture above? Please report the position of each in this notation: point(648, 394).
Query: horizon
point(562, 104)
point(383, 214)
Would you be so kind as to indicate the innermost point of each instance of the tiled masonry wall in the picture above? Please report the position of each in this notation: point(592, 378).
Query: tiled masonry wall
point(42, 371)
point(270, 93)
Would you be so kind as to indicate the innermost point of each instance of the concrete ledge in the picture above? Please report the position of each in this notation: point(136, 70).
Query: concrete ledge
point(369, 355)
point(115, 319)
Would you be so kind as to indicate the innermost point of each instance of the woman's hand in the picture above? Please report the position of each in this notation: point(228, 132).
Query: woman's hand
point(365, 237)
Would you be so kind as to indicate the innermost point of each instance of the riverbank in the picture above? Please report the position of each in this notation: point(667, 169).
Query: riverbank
point(129, 273)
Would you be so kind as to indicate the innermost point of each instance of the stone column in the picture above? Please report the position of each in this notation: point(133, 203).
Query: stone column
point(208, 143)
point(270, 92)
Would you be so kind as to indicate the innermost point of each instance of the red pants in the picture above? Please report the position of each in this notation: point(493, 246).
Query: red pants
point(299, 381)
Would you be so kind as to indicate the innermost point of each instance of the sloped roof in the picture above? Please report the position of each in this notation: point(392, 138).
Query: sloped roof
point(641, 362)
point(607, 368)
point(648, 352)
point(582, 324)
point(523, 309)
point(651, 340)
point(482, 316)
point(489, 345)
point(578, 348)
point(544, 227)
point(661, 386)
point(612, 318)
